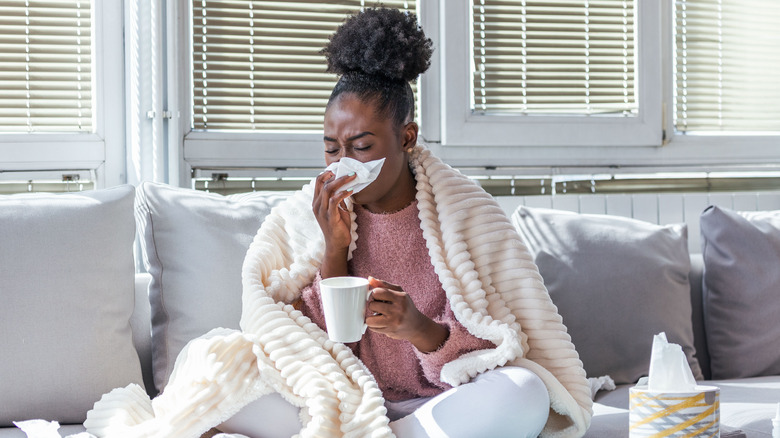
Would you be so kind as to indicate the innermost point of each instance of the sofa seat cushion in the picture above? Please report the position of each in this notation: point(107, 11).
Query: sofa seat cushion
point(67, 283)
point(745, 404)
point(616, 282)
point(65, 430)
point(194, 245)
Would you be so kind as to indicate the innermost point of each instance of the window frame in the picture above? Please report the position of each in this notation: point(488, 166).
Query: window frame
point(101, 151)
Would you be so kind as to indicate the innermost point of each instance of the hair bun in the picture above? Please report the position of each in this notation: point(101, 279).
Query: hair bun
point(380, 41)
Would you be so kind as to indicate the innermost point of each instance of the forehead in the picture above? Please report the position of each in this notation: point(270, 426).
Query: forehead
point(348, 111)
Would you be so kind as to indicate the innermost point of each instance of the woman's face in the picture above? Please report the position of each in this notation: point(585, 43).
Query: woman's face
point(353, 129)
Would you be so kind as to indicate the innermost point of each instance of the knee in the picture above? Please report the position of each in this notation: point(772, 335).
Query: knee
point(522, 392)
point(524, 382)
point(505, 402)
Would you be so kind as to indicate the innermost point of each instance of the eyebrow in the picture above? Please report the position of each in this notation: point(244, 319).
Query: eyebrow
point(353, 138)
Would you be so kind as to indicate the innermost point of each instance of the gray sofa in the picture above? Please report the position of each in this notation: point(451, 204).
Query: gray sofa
point(78, 320)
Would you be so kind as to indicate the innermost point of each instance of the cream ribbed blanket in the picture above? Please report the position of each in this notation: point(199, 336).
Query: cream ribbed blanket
point(490, 279)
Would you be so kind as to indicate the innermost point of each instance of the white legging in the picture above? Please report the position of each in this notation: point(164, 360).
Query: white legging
point(505, 402)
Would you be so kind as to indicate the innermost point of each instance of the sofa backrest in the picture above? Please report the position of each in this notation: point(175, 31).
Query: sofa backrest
point(654, 208)
point(657, 208)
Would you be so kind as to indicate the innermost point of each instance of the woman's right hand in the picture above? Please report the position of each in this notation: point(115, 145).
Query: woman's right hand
point(331, 214)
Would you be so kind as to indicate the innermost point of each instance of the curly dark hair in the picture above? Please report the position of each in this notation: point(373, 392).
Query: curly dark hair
point(378, 52)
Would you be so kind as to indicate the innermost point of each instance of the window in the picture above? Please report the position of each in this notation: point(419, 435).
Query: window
point(550, 73)
point(259, 86)
point(47, 67)
point(727, 59)
point(60, 63)
point(256, 64)
point(541, 57)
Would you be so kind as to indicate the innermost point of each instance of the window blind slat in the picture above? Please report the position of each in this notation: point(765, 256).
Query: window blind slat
point(558, 57)
point(46, 66)
point(256, 64)
point(726, 65)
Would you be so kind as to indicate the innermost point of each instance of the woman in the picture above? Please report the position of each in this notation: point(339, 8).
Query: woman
point(463, 339)
point(378, 233)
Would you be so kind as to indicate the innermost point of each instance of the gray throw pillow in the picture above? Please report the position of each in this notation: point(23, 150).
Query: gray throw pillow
point(742, 291)
point(194, 245)
point(616, 282)
point(67, 292)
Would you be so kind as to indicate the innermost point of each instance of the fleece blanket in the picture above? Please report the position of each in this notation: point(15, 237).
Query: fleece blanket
point(492, 284)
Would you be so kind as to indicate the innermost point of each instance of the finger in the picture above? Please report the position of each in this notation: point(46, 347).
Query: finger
point(319, 183)
point(383, 295)
point(344, 195)
point(335, 201)
point(321, 179)
point(330, 190)
point(375, 282)
point(380, 307)
point(377, 323)
point(324, 187)
point(334, 185)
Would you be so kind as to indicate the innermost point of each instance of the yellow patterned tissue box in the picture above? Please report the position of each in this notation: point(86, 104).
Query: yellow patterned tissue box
point(674, 414)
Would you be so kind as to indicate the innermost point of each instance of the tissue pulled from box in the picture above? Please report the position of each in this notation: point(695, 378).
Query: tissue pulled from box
point(669, 369)
point(365, 173)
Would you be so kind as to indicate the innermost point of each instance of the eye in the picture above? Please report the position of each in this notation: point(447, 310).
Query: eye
point(363, 148)
point(331, 151)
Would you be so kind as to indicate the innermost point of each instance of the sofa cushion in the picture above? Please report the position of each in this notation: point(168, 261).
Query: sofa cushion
point(64, 430)
point(194, 245)
point(741, 253)
point(67, 287)
point(616, 282)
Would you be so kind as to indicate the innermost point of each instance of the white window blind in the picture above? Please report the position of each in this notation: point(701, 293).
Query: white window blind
point(46, 66)
point(256, 64)
point(554, 57)
point(727, 65)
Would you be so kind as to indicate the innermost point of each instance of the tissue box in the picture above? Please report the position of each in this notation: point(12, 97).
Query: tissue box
point(674, 414)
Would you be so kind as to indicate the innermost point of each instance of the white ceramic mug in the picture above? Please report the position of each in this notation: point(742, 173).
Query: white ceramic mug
point(344, 305)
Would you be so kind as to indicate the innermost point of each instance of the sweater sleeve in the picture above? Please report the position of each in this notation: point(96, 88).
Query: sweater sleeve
point(311, 304)
point(458, 343)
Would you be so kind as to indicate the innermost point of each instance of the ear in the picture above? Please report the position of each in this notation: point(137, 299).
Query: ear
point(409, 135)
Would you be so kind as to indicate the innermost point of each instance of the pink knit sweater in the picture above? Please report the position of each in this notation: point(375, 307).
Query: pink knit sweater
point(391, 247)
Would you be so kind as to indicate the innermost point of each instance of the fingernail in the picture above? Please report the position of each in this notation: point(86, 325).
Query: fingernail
point(351, 173)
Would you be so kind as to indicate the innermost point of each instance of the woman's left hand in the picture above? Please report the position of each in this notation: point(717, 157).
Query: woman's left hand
point(393, 313)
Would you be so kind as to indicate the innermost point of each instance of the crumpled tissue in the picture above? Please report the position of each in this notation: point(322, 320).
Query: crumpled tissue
point(669, 369)
point(366, 172)
point(45, 429)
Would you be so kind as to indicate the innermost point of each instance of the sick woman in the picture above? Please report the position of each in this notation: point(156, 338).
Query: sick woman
point(462, 338)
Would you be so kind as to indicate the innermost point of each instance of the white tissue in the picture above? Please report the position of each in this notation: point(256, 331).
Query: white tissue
point(669, 369)
point(45, 429)
point(366, 172)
